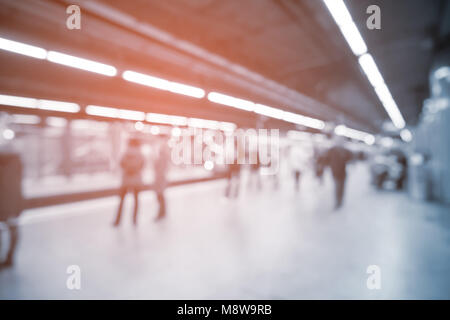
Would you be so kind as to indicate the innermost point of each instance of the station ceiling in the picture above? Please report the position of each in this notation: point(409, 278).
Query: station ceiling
point(229, 46)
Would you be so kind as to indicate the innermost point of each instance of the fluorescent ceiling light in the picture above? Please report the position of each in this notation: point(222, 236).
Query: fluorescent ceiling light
point(18, 101)
point(22, 48)
point(231, 101)
point(163, 84)
point(146, 80)
point(383, 93)
point(406, 135)
point(80, 63)
point(354, 38)
point(344, 131)
point(32, 103)
point(131, 115)
point(115, 113)
point(186, 90)
point(58, 106)
point(344, 20)
point(394, 113)
point(166, 119)
point(304, 121)
point(371, 70)
point(339, 11)
point(268, 111)
point(102, 111)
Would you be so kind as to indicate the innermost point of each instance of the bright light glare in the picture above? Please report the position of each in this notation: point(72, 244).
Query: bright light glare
point(58, 106)
point(21, 48)
point(131, 115)
point(18, 101)
point(163, 84)
point(8, 134)
point(339, 11)
point(371, 70)
point(166, 119)
point(80, 63)
point(231, 101)
point(354, 38)
point(394, 113)
point(344, 131)
point(369, 139)
point(102, 111)
point(32, 103)
point(376, 79)
point(304, 121)
point(209, 165)
point(344, 20)
point(186, 90)
point(115, 113)
point(269, 111)
point(406, 135)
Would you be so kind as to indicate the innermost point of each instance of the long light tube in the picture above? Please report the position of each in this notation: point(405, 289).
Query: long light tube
point(81, 63)
point(231, 101)
point(163, 84)
point(31, 103)
point(344, 131)
point(22, 48)
point(343, 19)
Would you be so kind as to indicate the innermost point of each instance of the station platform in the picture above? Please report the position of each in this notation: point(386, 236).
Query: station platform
point(267, 244)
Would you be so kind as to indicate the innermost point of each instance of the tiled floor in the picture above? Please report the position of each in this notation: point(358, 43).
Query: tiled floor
point(273, 244)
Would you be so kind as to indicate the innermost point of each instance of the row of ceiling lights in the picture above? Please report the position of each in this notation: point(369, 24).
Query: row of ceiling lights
point(154, 82)
point(343, 19)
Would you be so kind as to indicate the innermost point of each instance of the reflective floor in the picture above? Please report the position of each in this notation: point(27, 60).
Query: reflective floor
point(272, 244)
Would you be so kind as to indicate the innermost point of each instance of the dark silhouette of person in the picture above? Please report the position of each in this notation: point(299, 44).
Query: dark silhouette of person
point(233, 173)
point(337, 158)
point(161, 167)
point(255, 167)
point(233, 177)
point(297, 165)
point(132, 164)
point(319, 164)
point(11, 200)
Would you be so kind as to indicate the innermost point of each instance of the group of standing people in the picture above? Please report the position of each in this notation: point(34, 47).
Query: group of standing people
point(335, 157)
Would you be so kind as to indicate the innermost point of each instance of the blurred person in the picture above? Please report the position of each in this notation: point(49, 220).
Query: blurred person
point(337, 158)
point(254, 175)
point(132, 164)
point(161, 167)
point(296, 162)
point(233, 174)
point(319, 164)
point(11, 200)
